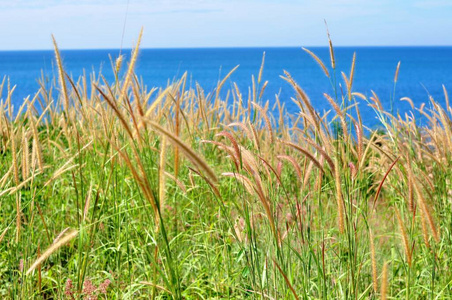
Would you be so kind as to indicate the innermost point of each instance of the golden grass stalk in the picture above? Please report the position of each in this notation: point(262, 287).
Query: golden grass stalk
point(61, 75)
point(339, 113)
point(294, 163)
point(384, 282)
point(333, 61)
point(404, 234)
point(446, 98)
point(255, 137)
point(53, 248)
point(25, 156)
point(319, 61)
point(229, 150)
point(425, 209)
point(189, 153)
point(245, 181)
point(359, 136)
point(222, 82)
point(266, 120)
point(396, 75)
point(2, 236)
point(306, 153)
point(261, 70)
point(18, 216)
point(179, 183)
point(374, 261)
point(87, 202)
point(352, 76)
point(407, 99)
point(132, 62)
point(425, 235)
point(14, 155)
point(233, 142)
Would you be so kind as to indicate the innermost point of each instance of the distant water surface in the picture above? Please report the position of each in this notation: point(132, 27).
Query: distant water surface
point(422, 73)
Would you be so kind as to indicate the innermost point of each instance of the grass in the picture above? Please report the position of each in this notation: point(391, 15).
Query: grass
point(111, 190)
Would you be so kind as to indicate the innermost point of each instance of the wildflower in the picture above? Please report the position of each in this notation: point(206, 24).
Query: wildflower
point(104, 286)
point(68, 290)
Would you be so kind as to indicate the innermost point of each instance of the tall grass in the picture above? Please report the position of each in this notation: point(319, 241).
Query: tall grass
point(174, 192)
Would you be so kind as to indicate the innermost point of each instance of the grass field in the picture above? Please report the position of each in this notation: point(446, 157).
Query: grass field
point(114, 191)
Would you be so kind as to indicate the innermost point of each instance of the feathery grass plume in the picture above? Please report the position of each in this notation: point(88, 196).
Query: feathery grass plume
point(14, 155)
point(293, 162)
point(404, 234)
point(319, 61)
point(54, 247)
point(384, 282)
point(426, 212)
point(244, 128)
point(5, 178)
point(359, 95)
point(446, 98)
point(131, 67)
point(61, 76)
point(242, 179)
point(233, 142)
point(304, 97)
point(118, 113)
point(374, 261)
point(255, 136)
point(407, 99)
point(258, 187)
point(63, 169)
point(189, 153)
point(18, 215)
point(322, 152)
point(396, 75)
point(261, 93)
point(229, 150)
point(425, 235)
point(87, 202)
point(223, 81)
point(179, 183)
point(25, 156)
point(359, 137)
point(339, 113)
point(2, 236)
point(261, 70)
point(410, 184)
point(305, 153)
point(351, 77)
point(333, 61)
point(346, 80)
point(266, 120)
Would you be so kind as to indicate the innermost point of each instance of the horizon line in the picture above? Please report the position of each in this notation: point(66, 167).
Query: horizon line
point(229, 47)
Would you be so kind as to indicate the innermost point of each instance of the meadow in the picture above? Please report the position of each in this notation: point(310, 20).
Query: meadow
point(111, 190)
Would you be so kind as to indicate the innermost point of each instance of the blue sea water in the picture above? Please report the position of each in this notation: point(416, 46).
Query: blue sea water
point(422, 73)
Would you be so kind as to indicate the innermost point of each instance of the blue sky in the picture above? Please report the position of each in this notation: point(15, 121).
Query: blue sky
point(78, 24)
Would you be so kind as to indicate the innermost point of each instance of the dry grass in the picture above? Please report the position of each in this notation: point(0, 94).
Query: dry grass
point(294, 214)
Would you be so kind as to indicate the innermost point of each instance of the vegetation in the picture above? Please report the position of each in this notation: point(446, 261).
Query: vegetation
point(110, 190)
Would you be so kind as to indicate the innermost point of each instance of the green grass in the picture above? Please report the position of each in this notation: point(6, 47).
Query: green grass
point(241, 201)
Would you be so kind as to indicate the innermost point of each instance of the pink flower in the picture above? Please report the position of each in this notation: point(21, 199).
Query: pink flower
point(104, 286)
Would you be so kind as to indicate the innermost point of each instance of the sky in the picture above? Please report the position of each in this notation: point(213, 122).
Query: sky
point(93, 24)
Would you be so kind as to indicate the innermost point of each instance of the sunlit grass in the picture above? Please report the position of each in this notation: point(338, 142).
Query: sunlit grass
point(112, 190)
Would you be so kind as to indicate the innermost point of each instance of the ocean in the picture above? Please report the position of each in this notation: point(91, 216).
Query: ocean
point(422, 73)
